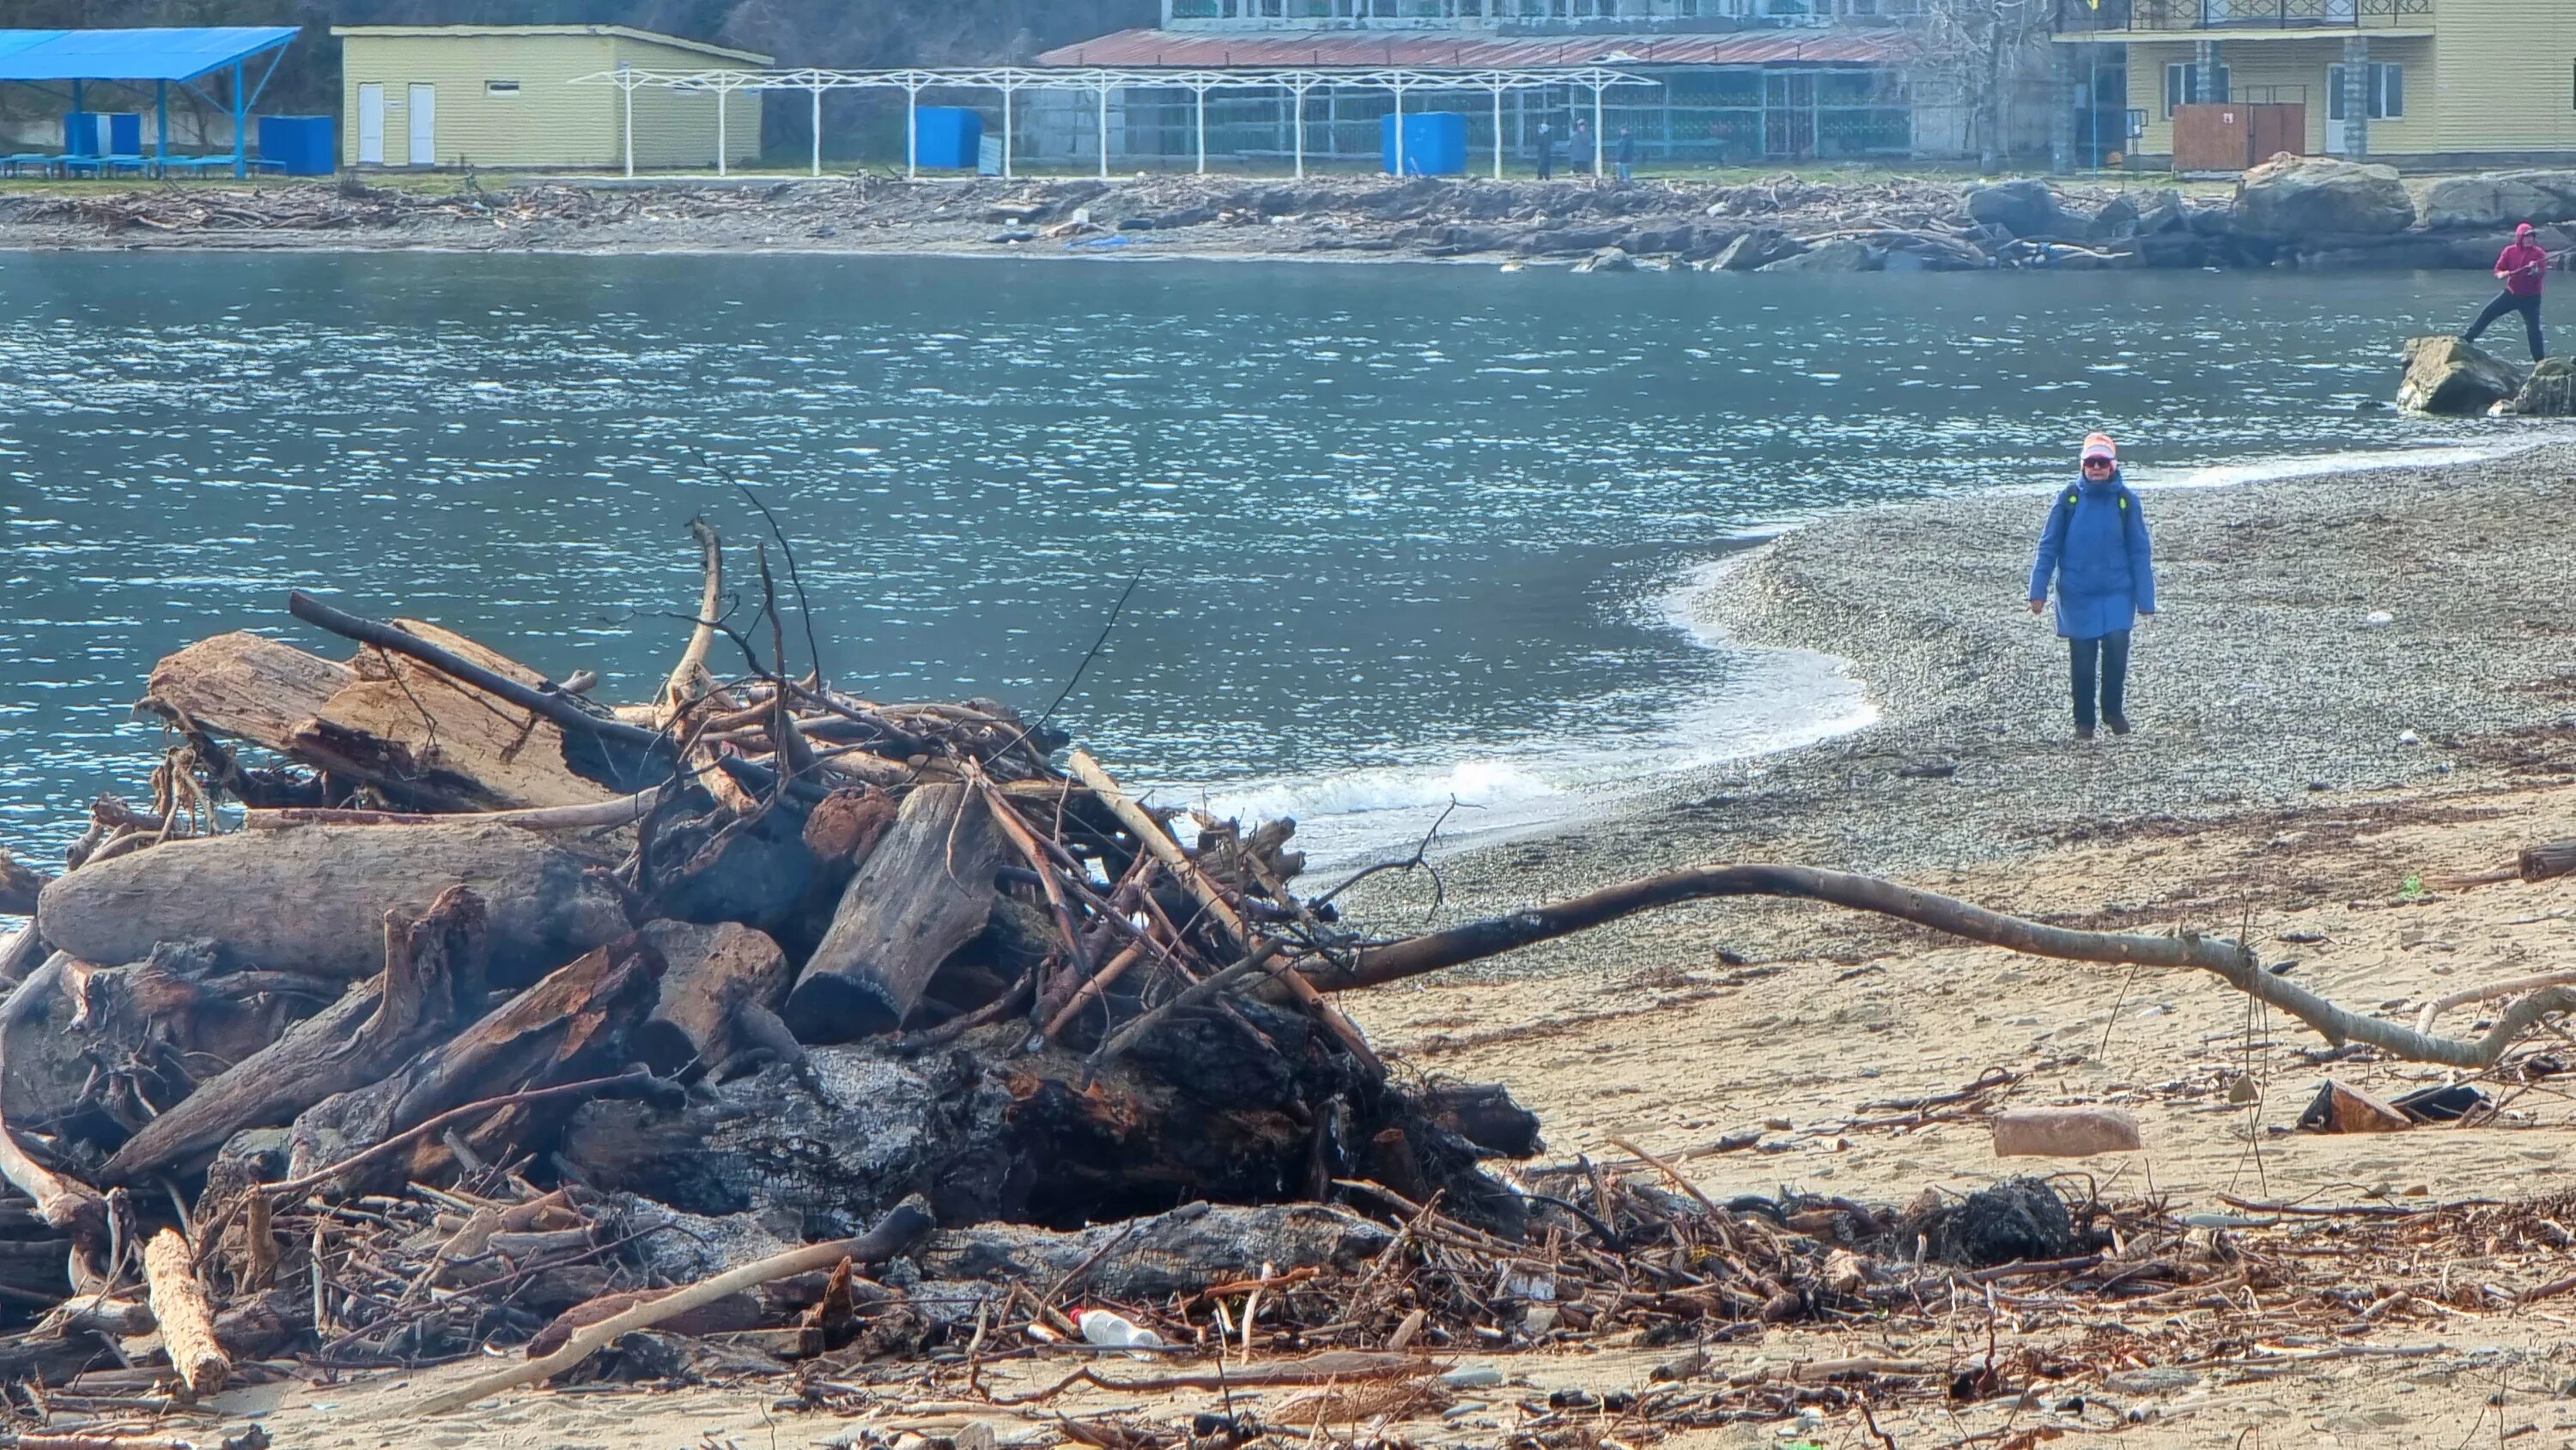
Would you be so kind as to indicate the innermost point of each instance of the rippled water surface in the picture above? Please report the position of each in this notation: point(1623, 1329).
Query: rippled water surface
point(1402, 531)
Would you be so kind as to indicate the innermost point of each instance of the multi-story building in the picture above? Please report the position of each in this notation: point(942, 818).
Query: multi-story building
point(1740, 81)
point(2414, 82)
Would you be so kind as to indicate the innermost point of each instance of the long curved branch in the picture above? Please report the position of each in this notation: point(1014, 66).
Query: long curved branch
point(2223, 956)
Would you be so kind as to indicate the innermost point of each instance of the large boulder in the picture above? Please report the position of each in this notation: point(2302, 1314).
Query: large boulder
point(1608, 259)
point(2550, 391)
point(2023, 208)
point(2500, 199)
point(2301, 196)
point(2446, 375)
point(1848, 255)
point(2160, 211)
point(1754, 250)
point(2117, 220)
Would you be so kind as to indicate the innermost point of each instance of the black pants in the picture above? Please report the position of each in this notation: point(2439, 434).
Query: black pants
point(2111, 653)
point(1546, 162)
point(2506, 302)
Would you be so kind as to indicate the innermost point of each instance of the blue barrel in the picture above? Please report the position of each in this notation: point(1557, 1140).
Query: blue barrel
point(1435, 143)
point(300, 145)
point(949, 138)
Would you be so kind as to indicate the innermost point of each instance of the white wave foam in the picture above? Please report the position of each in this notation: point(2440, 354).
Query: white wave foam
point(1777, 700)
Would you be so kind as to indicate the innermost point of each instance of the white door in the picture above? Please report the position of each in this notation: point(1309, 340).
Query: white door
point(424, 124)
point(371, 124)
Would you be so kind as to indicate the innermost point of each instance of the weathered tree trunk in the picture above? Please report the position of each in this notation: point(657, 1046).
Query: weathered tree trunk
point(341, 882)
point(2549, 858)
point(711, 976)
point(927, 888)
point(245, 685)
point(420, 738)
point(1485, 1115)
point(577, 1019)
point(357, 1040)
point(1240, 1103)
point(197, 1361)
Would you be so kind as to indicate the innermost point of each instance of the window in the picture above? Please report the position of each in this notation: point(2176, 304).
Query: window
point(500, 88)
point(2178, 84)
point(2384, 90)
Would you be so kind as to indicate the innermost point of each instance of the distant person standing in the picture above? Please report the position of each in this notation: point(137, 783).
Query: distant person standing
point(1626, 155)
point(2095, 550)
point(1582, 143)
point(2520, 267)
point(1546, 149)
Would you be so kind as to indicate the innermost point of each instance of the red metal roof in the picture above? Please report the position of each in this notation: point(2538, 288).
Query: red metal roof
point(1137, 49)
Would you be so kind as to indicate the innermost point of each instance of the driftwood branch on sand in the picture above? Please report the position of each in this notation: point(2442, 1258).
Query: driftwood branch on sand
point(2224, 957)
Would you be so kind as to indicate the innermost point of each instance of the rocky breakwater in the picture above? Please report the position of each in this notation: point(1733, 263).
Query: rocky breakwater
point(2304, 212)
point(2318, 212)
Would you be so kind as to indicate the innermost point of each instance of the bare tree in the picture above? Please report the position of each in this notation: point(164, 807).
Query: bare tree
point(1985, 51)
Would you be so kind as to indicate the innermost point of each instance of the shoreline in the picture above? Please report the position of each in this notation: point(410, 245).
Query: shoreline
point(2235, 718)
point(1685, 604)
point(1782, 223)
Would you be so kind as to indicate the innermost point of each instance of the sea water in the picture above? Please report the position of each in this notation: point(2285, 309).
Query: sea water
point(1400, 535)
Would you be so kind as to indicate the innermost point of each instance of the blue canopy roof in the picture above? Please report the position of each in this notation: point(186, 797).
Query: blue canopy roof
point(172, 54)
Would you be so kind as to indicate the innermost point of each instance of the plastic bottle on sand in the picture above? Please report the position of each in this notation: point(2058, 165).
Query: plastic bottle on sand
point(1101, 1327)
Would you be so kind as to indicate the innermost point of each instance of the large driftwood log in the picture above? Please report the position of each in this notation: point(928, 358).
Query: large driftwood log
point(187, 1325)
point(927, 888)
point(245, 685)
point(357, 1040)
point(577, 1020)
point(713, 978)
point(340, 881)
point(418, 736)
point(632, 757)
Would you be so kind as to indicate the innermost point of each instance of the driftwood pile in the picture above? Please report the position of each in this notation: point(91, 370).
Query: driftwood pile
point(421, 971)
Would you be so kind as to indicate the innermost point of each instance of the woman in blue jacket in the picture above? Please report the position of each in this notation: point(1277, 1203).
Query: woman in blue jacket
point(2095, 548)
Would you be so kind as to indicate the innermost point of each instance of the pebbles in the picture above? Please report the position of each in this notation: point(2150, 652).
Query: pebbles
point(2248, 687)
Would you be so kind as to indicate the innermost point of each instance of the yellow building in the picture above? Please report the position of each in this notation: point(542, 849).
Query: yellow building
point(501, 95)
point(2410, 82)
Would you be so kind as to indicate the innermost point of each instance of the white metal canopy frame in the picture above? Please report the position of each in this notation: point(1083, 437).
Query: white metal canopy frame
point(1297, 81)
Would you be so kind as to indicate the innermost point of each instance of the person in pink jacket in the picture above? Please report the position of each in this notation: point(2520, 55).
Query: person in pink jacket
point(2519, 267)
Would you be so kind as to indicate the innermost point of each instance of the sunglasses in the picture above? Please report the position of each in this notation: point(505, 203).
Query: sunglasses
point(2097, 463)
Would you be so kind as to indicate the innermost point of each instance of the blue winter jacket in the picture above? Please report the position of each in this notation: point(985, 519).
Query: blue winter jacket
point(2095, 548)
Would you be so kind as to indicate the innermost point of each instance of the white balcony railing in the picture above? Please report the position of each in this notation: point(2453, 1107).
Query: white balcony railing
point(1254, 15)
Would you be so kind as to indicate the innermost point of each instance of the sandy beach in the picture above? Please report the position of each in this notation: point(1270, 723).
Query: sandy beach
point(2270, 792)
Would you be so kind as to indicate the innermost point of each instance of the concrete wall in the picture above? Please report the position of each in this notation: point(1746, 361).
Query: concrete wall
point(545, 121)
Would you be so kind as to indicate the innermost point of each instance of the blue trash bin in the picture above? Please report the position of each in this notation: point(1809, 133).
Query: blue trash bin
point(948, 138)
point(299, 145)
point(1435, 144)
